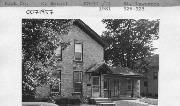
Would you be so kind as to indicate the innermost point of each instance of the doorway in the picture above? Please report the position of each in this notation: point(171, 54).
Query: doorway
point(95, 86)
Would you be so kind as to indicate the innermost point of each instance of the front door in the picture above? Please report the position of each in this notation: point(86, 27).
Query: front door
point(95, 86)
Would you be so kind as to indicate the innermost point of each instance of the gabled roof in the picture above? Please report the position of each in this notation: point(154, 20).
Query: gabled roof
point(90, 32)
point(97, 67)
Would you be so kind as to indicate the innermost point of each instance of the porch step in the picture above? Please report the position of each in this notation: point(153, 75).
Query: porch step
point(106, 104)
point(100, 99)
point(103, 101)
point(123, 97)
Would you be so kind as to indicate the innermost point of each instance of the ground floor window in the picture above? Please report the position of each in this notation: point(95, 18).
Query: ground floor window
point(129, 84)
point(105, 84)
point(112, 87)
point(145, 84)
point(116, 87)
point(55, 87)
point(56, 82)
point(77, 75)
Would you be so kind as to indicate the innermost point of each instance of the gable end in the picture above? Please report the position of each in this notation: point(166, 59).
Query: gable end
point(90, 32)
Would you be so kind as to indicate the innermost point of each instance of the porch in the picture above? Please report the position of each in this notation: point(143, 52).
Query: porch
point(110, 82)
point(120, 87)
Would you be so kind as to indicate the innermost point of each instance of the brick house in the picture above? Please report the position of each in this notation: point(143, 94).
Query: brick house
point(84, 71)
point(149, 85)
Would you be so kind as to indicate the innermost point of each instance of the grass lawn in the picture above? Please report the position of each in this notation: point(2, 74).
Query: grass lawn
point(147, 101)
point(126, 103)
point(150, 101)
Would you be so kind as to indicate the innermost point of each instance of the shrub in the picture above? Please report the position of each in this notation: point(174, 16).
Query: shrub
point(142, 94)
point(28, 98)
point(42, 100)
point(92, 101)
point(149, 95)
point(67, 100)
point(156, 95)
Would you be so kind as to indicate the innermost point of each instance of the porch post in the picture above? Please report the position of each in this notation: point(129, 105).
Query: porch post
point(100, 85)
point(132, 93)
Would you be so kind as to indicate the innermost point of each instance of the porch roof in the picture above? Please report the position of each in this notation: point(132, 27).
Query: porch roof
point(113, 71)
point(99, 67)
point(124, 72)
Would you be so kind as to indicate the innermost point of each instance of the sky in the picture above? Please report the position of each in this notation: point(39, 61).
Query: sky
point(99, 27)
point(95, 24)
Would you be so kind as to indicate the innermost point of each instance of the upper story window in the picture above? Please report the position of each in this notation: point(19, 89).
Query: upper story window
point(78, 56)
point(155, 75)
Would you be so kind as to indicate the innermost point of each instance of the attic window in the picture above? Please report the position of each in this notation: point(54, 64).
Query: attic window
point(78, 52)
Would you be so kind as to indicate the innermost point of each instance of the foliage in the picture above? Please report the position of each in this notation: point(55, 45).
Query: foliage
point(129, 40)
point(40, 40)
point(70, 100)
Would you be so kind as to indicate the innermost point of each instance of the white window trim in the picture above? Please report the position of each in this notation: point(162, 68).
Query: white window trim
point(79, 81)
point(81, 51)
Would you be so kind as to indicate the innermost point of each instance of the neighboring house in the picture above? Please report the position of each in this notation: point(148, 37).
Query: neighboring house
point(149, 85)
point(83, 71)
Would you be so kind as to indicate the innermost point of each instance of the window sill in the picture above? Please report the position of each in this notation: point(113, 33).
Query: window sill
point(78, 61)
point(78, 82)
point(54, 92)
point(76, 92)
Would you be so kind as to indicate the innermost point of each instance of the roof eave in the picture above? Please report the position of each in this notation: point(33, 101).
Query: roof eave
point(90, 32)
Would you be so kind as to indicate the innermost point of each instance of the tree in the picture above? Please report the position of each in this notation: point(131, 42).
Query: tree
point(41, 38)
point(129, 40)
